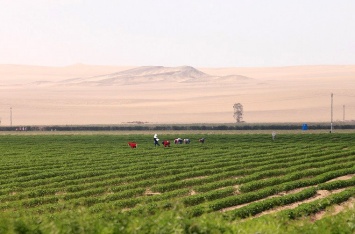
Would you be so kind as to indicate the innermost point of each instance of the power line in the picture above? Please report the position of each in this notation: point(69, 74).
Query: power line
point(290, 98)
point(345, 95)
point(298, 98)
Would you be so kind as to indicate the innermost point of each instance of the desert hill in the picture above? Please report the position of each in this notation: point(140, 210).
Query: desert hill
point(176, 72)
point(145, 74)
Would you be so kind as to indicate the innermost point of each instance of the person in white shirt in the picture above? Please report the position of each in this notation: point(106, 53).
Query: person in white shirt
point(156, 140)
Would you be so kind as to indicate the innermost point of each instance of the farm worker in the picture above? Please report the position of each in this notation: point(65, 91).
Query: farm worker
point(133, 144)
point(166, 143)
point(156, 140)
point(273, 134)
point(178, 141)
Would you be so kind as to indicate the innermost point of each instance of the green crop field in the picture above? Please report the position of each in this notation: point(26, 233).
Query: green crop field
point(233, 183)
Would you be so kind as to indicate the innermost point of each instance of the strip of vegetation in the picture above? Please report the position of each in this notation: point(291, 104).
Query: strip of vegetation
point(319, 205)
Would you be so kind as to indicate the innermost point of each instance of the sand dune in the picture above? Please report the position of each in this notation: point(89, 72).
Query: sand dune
point(139, 75)
point(84, 94)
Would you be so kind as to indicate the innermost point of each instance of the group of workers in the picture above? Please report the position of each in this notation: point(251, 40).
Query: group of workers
point(166, 143)
point(179, 140)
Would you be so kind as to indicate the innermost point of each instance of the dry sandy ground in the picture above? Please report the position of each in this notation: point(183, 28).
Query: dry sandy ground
point(83, 94)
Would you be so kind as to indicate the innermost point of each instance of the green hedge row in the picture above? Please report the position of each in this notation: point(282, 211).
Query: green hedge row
point(148, 127)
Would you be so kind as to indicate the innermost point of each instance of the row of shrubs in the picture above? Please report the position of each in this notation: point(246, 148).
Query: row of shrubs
point(269, 191)
point(260, 206)
point(303, 209)
point(148, 127)
point(319, 205)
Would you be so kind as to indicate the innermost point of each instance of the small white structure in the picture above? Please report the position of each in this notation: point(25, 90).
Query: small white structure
point(273, 134)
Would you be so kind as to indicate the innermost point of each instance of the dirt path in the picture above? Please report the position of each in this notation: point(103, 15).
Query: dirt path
point(346, 177)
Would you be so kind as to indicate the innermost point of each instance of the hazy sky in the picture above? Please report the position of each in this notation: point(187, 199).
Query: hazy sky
point(202, 33)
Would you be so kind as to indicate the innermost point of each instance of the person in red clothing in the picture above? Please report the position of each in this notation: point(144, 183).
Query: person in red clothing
point(166, 143)
point(133, 144)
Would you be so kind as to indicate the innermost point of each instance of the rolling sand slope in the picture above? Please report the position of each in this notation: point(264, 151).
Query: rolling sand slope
point(83, 94)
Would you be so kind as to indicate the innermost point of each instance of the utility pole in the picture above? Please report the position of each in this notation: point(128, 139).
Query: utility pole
point(343, 113)
point(331, 113)
point(11, 116)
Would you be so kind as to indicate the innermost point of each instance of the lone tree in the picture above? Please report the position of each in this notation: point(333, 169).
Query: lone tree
point(238, 112)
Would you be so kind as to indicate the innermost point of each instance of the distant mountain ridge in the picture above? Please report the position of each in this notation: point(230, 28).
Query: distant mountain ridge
point(143, 74)
point(147, 74)
point(182, 71)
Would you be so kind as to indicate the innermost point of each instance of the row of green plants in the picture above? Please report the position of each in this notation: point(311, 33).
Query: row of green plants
point(95, 175)
point(42, 192)
point(319, 205)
